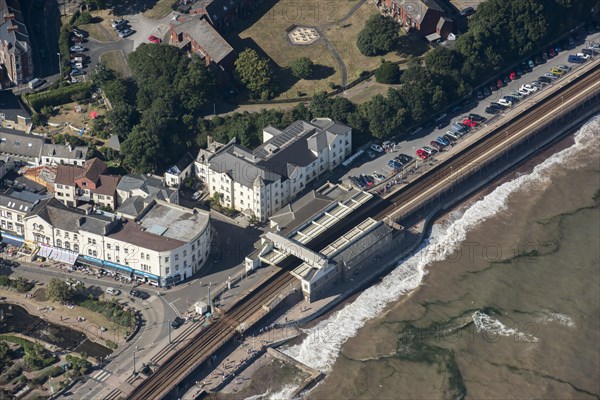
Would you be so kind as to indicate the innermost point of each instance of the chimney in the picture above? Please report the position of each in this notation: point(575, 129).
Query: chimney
point(9, 17)
point(81, 221)
point(209, 140)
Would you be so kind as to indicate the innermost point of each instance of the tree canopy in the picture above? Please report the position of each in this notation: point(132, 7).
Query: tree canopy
point(388, 72)
point(302, 68)
point(379, 36)
point(253, 71)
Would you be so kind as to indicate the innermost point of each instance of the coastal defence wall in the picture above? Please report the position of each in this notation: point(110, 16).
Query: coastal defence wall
point(558, 127)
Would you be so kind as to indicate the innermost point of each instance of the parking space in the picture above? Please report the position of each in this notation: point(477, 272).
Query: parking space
point(144, 27)
point(373, 162)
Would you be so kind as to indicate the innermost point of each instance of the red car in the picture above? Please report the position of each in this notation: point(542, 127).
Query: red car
point(499, 83)
point(422, 154)
point(470, 123)
point(513, 76)
point(154, 39)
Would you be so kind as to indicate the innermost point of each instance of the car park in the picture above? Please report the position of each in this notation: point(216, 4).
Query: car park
point(77, 49)
point(154, 39)
point(422, 154)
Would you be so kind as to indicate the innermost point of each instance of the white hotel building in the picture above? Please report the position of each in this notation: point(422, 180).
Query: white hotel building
point(163, 246)
point(260, 182)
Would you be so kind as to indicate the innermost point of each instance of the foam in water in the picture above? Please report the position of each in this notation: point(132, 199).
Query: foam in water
point(563, 319)
point(322, 344)
point(284, 394)
point(485, 323)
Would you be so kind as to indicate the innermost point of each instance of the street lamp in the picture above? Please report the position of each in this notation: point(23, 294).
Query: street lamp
point(59, 66)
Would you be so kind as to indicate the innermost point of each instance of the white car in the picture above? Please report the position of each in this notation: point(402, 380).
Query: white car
point(523, 92)
point(529, 88)
point(113, 291)
point(378, 177)
point(563, 68)
point(584, 56)
point(77, 49)
point(505, 102)
point(77, 65)
point(377, 148)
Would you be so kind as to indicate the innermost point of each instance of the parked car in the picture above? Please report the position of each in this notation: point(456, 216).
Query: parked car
point(177, 322)
point(513, 75)
point(562, 67)
point(551, 52)
point(499, 83)
point(443, 141)
point(154, 39)
point(77, 49)
point(584, 56)
point(486, 91)
point(479, 94)
point(377, 148)
point(575, 59)
point(378, 177)
point(491, 110)
point(477, 117)
point(544, 79)
point(140, 294)
point(452, 135)
point(126, 32)
point(557, 72)
point(113, 291)
point(470, 123)
point(436, 145)
point(531, 64)
point(371, 154)
point(497, 106)
point(80, 32)
point(422, 154)
point(523, 92)
point(404, 158)
point(77, 72)
point(506, 80)
point(394, 164)
point(119, 23)
point(77, 65)
point(539, 60)
point(528, 87)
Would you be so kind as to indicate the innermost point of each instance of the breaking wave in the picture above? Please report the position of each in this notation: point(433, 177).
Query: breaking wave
point(322, 344)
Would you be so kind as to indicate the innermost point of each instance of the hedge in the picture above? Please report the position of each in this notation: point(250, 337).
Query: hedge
point(17, 340)
point(62, 95)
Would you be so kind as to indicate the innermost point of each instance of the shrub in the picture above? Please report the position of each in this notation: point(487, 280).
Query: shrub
point(302, 68)
point(84, 18)
point(379, 36)
point(387, 72)
point(59, 96)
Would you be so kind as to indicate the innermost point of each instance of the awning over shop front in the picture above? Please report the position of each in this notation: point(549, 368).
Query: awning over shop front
point(12, 240)
point(97, 263)
point(64, 256)
point(45, 251)
point(146, 275)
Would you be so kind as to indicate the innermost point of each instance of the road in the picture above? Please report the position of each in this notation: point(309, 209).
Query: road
point(42, 18)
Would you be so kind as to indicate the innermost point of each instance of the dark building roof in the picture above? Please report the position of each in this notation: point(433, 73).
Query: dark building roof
point(11, 107)
point(182, 164)
point(20, 144)
point(73, 219)
point(418, 9)
point(207, 37)
point(22, 201)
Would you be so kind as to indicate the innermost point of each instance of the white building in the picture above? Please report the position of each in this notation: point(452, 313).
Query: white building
point(262, 181)
point(33, 150)
point(14, 207)
point(165, 246)
point(177, 173)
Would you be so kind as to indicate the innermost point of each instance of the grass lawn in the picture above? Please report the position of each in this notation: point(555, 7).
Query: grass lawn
point(116, 61)
point(160, 9)
point(343, 37)
point(265, 31)
point(101, 30)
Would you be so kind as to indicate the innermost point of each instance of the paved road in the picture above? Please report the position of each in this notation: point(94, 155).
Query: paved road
point(42, 20)
point(412, 144)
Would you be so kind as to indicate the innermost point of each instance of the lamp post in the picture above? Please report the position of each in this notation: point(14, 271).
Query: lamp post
point(59, 65)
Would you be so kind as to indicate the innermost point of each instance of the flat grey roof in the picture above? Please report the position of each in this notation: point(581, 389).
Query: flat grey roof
point(174, 222)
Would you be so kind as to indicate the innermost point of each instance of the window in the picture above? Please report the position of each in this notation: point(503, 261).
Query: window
point(184, 264)
point(67, 246)
point(167, 270)
point(66, 235)
point(89, 241)
point(108, 257)
point(74, 236)
point(126, 250)
point(59, 242)
point(167, 260)
point(76, 247)
point(108, 246)
point(95, 253)
point(89, 252)
point(147, 257)
point(117, 248)
point(176, 257)
point(142, 255)
point(176, 267)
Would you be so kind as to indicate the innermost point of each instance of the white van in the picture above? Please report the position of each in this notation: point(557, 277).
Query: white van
point(35, 82)
point(113, 291)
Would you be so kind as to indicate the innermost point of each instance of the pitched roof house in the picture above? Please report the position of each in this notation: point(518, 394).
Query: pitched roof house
point(199, 37)
point(422, 16)
point(15, 49)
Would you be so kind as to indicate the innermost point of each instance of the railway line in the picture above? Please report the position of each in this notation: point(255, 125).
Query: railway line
point(405, 200)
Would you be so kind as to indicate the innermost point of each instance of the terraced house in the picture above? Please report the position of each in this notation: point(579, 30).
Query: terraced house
point(16, 64)
point(260, 182)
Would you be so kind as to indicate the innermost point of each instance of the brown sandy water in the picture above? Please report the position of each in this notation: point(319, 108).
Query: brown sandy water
point(509, 306)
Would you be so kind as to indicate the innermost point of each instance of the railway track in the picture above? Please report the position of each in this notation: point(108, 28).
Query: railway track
point(184, 361)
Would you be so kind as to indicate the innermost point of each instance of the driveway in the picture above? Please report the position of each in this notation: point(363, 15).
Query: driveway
point(144, 27)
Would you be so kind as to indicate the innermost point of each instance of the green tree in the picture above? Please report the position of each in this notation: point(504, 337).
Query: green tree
point(122, 118)
point(196, 86)
point(142, 150)
point(379, 36)
point(302, 68)
point(102, 74)
point(58, 290)
point(253, 71)
point(387, 72)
